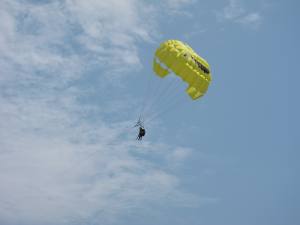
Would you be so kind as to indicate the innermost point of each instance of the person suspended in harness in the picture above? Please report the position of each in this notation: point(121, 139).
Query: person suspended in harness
point(142, 133)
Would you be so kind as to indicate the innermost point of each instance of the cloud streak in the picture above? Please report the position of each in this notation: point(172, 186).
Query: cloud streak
point(236, 13)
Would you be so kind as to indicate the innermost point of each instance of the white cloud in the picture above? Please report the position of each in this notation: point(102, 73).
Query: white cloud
point(236, 13)
point(56, 166)
point(105, 32)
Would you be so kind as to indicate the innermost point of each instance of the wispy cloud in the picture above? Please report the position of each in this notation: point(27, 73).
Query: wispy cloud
point(251, 18)
point(176, 4)
point(236, 13)
point(176, 7)
point(56, 165)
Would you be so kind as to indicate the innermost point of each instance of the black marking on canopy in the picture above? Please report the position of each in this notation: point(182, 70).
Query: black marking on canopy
point(200, 66)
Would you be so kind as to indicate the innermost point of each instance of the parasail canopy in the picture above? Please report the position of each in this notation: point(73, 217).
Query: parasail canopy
point(179, 58)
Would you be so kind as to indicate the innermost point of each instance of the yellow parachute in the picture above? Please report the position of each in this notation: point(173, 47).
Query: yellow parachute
point(179, 58)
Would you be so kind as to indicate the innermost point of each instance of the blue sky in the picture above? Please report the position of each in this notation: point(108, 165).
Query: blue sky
point(73, 76)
